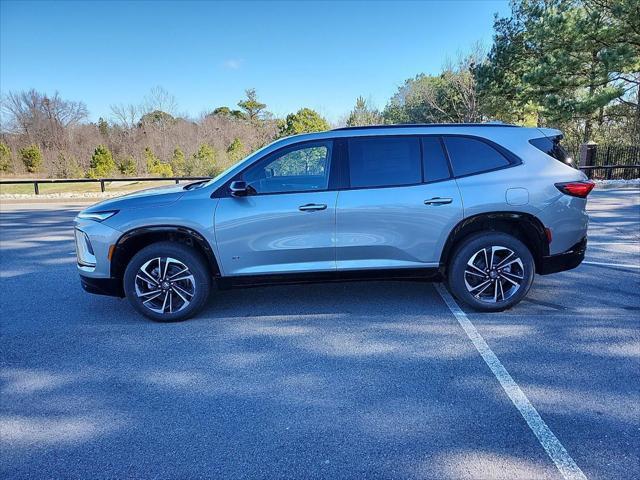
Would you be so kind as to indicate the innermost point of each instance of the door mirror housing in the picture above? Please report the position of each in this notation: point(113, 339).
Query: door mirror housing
point(239, 189)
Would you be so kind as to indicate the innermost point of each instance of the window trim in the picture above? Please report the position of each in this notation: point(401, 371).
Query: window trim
point(446, 158)
point(332, 183)
point(339, 176)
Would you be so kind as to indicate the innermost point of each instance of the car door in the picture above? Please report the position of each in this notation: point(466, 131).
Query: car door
point(400, 204)
point(286, 222)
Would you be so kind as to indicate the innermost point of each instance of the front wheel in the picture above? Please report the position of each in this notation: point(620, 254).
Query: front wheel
point(491, 271)
point(167, 282)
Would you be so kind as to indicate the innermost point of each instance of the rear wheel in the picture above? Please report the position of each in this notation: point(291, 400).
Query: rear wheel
point(491, 271)
point(167, 282)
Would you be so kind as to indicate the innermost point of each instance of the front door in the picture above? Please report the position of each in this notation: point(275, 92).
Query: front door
point(286, 223)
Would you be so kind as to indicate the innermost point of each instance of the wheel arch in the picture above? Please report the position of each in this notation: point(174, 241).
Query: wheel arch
point(524, 226)
point(134, 240)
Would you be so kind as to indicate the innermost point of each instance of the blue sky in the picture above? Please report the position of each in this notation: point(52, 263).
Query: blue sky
point(316, 54)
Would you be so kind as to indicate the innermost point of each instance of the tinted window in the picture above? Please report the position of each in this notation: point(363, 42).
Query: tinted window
point(436, 166)
point(469, 156)
point(552, 147)
point(384, 161)
point(294, 170)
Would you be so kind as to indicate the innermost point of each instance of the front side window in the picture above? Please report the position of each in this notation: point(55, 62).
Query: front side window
point(297, 169)
point(384, 161)
point(469, 156)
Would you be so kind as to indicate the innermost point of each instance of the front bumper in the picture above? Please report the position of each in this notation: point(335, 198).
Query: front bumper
point(564, 261)
point(102, 286)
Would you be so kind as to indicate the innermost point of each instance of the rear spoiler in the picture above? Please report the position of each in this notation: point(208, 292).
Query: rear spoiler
point(551, 132)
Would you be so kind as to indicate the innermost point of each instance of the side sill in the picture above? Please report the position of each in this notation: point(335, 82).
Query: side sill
point(414, 274)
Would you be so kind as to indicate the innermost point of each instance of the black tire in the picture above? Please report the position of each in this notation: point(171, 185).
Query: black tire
point(199, 282)
point(460, 282)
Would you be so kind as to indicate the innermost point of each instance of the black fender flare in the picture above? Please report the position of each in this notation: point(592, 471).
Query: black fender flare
point(136, 238)
point(532, 230)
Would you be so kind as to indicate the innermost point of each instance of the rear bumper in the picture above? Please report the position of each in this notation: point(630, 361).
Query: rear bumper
point(564, 261)
point(102, 286)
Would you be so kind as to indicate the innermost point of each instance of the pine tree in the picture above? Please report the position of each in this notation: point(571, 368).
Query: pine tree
point(178, 163)
point(155, 166)
point(235, 151)
point(252, 107)
point(304, 120)
point(102, 164)
point(6, 159)
point(31, 158)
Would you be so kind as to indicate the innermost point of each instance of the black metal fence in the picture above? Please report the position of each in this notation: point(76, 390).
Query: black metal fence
point(613, 162)
point(103, 181)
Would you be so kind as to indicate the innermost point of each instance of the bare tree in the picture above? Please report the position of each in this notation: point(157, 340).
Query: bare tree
point(459, 75)
point(43, 118)
point(159, 99)
point(126, 116)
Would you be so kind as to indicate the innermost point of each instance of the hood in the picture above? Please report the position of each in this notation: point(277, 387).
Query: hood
point(144, 198)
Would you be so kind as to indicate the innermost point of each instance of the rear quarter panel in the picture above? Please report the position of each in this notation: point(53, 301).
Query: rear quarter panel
point(537, 174)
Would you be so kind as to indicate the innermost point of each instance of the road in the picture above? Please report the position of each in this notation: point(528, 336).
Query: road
point(351, 380)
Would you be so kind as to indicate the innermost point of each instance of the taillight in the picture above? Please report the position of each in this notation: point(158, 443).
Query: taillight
point(576, 189)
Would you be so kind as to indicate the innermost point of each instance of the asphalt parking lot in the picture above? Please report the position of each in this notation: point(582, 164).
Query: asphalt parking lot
point(350, 380)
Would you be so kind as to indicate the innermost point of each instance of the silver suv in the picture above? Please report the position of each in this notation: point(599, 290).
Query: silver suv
point(484, 207)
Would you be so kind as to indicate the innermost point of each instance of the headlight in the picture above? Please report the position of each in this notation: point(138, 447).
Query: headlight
point(84, 250)
point(97, 216)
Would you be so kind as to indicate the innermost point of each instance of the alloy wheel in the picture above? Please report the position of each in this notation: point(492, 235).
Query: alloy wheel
point(165, 285)
point(494, 274)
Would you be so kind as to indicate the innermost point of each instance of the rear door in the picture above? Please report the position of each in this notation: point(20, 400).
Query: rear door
point(287, 223)
point(399, 206)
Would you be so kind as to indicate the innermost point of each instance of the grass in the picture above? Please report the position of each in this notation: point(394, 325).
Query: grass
point(119, 186)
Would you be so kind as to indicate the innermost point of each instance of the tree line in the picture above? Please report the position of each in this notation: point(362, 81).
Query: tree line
point(568, 64)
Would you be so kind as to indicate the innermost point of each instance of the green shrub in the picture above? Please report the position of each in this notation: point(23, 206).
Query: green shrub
point(202, 163)
point(102, 164)
point(32, 158)
point(156, 167)
point(6, 159)
point(128, 166)
point(179, 163)
point(236, 151)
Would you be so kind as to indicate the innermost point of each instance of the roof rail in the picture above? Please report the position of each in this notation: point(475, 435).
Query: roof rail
point(414, 125)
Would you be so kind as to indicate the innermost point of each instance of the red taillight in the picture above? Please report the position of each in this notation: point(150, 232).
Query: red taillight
point(576, 189)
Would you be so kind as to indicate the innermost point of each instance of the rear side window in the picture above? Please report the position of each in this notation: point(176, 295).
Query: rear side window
point(436, 166)
point(469, 156)
point(551, 146)
point(384, 161)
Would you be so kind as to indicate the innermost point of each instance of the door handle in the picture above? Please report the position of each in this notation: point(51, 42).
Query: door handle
point(438, 201)
point(311, 207)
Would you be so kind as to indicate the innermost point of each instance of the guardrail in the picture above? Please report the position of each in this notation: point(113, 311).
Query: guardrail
point(608, 172)
point(102, 181)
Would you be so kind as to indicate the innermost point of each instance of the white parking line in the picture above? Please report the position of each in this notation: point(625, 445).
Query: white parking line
point(611, 243)
point(551, 444)
point(621, 265)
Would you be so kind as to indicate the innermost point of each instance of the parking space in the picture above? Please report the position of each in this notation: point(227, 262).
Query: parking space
point(351, 380)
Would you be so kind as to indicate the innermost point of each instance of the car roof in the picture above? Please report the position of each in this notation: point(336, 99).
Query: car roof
point(484, 130)
point(426, 125)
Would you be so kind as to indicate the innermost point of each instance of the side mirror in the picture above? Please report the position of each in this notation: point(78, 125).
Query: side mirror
point(238, 189)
